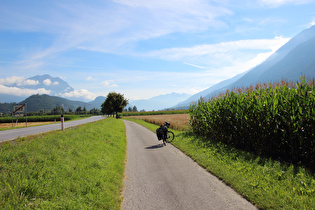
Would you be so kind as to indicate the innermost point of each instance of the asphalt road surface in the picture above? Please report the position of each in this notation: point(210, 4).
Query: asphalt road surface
point(160, 177)
point(20, 132)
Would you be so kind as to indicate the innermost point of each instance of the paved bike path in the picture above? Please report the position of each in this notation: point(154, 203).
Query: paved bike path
point(20, 132)
point(160, 177)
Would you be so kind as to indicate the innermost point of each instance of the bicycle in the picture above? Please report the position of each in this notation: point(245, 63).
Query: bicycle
point(164, 134)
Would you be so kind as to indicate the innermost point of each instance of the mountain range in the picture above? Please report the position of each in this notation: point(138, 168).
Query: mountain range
point(294, 59)
point(55, 86)
point(159, 102)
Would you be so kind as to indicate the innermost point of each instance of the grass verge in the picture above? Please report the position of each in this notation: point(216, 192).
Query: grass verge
point(80, 168)
point(266, 183)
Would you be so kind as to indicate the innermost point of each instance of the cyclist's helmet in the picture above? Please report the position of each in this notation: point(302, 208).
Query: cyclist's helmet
point(167, 124)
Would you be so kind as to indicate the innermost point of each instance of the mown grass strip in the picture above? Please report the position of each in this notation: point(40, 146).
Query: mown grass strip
point(268, 184)
point(80, 168)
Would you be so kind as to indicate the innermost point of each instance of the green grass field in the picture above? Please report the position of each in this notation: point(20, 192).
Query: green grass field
point(266, 183)
point(80, 168)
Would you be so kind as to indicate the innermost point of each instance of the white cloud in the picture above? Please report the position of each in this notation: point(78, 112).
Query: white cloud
point(68, 88)
point(11, 80)
point(30, 82)
point(19, 81)
point(56, 83)
point(82, 93)
point(89, 79)
point(190, 64)
point(224, 54)
point(122, 24)
point(22, 92)
point(47, 82)
point(277, 3)
point(223, 47)
point(109, 83)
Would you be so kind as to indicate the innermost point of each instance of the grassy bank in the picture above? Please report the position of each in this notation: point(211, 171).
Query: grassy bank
point(79, 168)
point(266, 183)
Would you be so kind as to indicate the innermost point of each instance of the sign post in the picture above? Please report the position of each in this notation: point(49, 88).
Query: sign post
point(62, 119)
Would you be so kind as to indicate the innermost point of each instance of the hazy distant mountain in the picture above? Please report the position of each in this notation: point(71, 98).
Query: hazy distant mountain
point(57, 86)
point(214, 88)
point(97, 103)
point(53, 85)
point(159, 102)
point(5, 98)
point(46, 102)
point(295, 58)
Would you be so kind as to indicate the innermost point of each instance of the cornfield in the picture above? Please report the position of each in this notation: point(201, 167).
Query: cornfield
point(274, 120)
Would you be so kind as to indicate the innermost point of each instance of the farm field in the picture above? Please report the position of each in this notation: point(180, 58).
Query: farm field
point(22, 124)
point(178, 121)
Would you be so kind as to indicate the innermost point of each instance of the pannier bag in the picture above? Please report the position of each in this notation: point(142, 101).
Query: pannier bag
point(159, 133)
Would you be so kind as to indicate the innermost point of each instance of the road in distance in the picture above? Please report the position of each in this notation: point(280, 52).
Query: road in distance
point(20, 132)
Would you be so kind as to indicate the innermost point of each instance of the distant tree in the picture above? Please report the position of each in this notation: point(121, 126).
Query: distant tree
point(78, 110)
point(57, 110)
point(114, 103)
point(42, 112)
point(95, 111)
point(84, 111)
point(134, 109)
point(129, 109)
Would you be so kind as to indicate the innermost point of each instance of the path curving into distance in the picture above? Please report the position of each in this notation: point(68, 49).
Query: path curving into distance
point(160, 177)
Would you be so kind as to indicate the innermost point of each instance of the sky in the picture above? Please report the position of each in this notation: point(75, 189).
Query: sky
point(142, 48)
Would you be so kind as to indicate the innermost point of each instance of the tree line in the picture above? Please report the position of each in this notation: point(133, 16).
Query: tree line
point(114, 103)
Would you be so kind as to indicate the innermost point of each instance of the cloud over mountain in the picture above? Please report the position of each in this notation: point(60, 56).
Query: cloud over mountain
point(40, 84)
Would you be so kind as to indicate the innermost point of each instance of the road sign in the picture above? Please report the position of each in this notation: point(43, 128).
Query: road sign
point(18, 109)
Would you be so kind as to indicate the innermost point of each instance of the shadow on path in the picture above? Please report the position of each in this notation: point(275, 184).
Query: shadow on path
point(157, 146)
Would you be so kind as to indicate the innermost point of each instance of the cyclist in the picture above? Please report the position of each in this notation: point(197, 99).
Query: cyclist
point(161, 132)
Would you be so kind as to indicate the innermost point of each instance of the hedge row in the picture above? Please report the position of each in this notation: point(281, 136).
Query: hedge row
point(45, 118)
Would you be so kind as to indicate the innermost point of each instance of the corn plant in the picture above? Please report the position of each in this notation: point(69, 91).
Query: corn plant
point(275, 120)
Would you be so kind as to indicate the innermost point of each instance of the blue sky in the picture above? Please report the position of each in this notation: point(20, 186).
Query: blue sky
point(142, 48)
